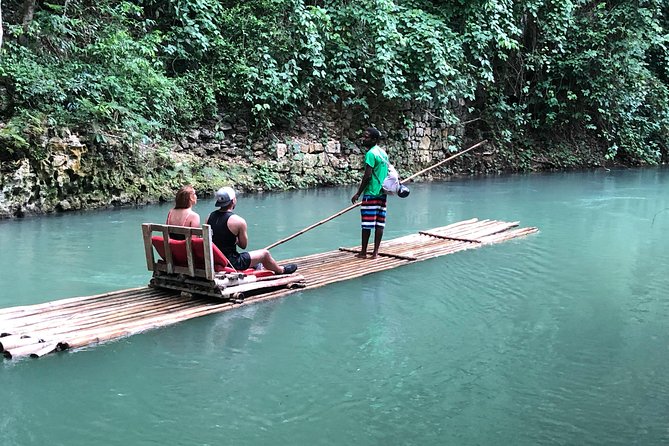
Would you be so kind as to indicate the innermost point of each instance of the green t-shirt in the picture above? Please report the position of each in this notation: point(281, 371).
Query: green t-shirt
point(377, 159)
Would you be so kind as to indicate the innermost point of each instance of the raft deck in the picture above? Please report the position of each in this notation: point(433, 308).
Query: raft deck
point(36, 330)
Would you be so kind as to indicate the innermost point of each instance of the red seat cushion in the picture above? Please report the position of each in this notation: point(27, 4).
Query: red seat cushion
point(220, 261)
point(180, 258)
point(177, 247)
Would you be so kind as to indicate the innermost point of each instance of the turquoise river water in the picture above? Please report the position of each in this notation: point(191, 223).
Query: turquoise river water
point(558, 338)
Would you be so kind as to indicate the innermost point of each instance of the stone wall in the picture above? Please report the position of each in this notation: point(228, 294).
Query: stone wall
point(320, 149)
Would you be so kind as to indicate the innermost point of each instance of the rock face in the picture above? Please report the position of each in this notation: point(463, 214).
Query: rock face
point(70, 177)
point(321, 149)
point(33, 186)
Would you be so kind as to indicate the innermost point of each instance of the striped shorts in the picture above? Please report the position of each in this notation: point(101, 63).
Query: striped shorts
point(373, 211)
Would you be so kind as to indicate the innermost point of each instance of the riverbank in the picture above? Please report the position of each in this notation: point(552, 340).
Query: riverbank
point(65, 171)
point(73, 172)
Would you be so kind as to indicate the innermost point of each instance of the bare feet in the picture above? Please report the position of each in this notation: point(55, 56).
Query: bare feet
point(361, 255)
point(373, 256)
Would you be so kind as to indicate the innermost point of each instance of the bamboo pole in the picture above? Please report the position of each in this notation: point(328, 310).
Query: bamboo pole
point(240, 290)
point(48, 347)
point(57, 303)
point(450, 238)
point(46, 332)
point(84, 305)
point(309, 228)
point(478, 144)
point(484, 227)
point(354, 205)
point(87, 318)
point(109, 333)
point(24, 350)
point(56, 337)
point(10, 342)
point(381, 254)
point(71, 317)
point(35, 350)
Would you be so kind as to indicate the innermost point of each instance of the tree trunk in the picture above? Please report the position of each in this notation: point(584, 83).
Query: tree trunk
point(27, 12)
point(1, 30)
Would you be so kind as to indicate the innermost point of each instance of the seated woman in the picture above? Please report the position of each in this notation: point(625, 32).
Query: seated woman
point(182, 213)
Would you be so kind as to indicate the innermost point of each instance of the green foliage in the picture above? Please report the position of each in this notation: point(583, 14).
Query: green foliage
point(269, 178)
point(19, 138)
point(587, 70)
point(13, 141)
point(535, 71)
point(99, 73)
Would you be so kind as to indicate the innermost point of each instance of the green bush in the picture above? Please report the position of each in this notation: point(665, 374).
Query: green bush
point(535, 71)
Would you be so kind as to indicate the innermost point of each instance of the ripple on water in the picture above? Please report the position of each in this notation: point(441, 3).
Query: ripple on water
point(557, 338)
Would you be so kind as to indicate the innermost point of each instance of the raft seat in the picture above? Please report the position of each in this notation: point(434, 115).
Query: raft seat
point(180, 256)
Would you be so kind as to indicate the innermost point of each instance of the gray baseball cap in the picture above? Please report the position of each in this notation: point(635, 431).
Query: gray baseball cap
point(224, 196)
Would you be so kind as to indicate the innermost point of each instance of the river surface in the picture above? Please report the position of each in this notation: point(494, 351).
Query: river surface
point(558, 338)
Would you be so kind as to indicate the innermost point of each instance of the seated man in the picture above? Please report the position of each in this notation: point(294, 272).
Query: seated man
point(229, 231)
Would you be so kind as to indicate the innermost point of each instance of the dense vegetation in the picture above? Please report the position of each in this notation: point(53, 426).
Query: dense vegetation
point(553, 73)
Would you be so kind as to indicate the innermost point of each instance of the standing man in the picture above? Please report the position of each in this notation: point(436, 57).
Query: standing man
point(373, 206)
point(229, 230)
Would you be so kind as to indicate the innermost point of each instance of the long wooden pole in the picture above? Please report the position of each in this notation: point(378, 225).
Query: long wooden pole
point(309, 228)
point(354, 205)
point(478, 144)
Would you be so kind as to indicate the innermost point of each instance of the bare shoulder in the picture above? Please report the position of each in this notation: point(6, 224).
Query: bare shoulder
point(236, 221)
point(194, 218)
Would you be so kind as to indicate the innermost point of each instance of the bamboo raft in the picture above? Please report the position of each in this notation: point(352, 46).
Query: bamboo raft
point(36, 330)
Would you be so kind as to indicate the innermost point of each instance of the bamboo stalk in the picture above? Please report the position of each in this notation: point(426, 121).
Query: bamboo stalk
point(444, 161)
point(49, 347)
point(85, 306)
point(57, 336)
point(71, 317)
point(455, 225)
point(94, 336)
point(57, 303)
point(71, 311)
point(309, 228)
point(24, 350)
point(253, 286)
point(36, 350)
point(381, 254)
point(97, 318)
point(124, 317)
point(10, 342)
point(450, 238)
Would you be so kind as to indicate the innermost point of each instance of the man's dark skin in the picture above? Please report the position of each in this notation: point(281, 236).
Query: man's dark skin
point(368, 141)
